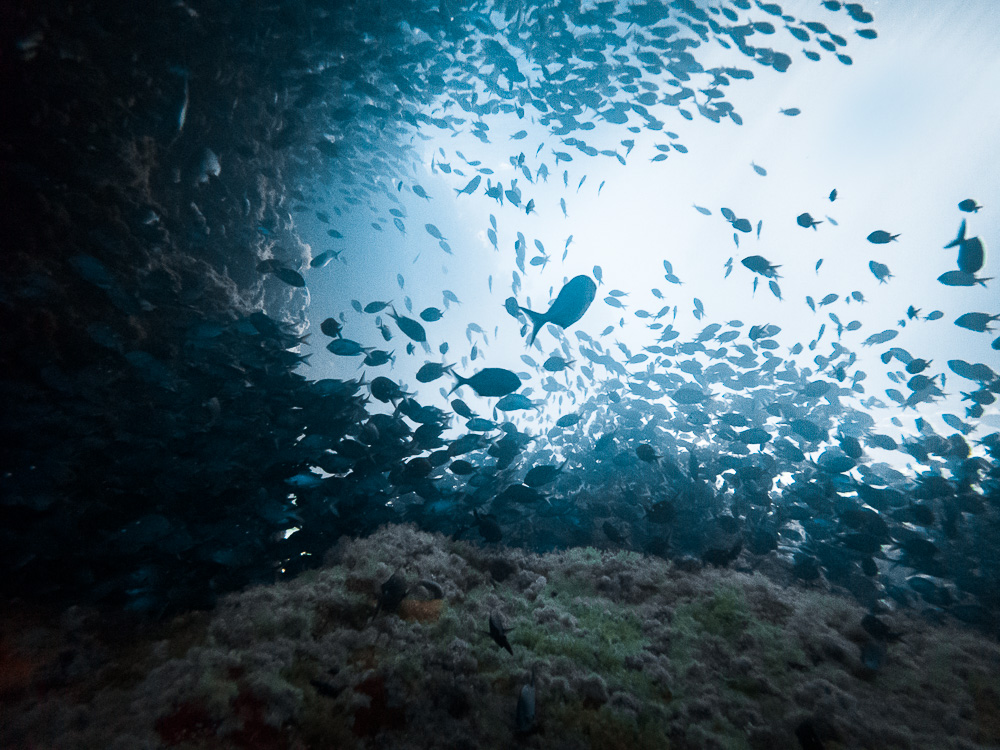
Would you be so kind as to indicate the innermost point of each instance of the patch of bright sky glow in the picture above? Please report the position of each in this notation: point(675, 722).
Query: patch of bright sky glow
point(903, 134)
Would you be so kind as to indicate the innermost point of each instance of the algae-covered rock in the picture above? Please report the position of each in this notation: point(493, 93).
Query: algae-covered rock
point(626, 651)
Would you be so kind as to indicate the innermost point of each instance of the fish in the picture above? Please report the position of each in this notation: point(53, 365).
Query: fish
point(391, 595)
point(331, 327)
point(377, 358)
point(410, 328)
point(880, 338)
point(881, 237)
point(431, 371)
point(568, 420)
point(570, 305)
point(805, 221)
point(556, 364)
point(430, 314)
point(880, 271)
point(462, 409)
point(646, 453)
point(498, 632)
point(324, 258)
point(489, 528)
point(288, 275)
point(960, 278)
point(541, 475)
point(976, 321)
point(470, 187)
point(489, 382)
point(345, 348)
point(971, 255)
point(969, 206)
point(524, 714)
point(760, 265)
point(515, 402)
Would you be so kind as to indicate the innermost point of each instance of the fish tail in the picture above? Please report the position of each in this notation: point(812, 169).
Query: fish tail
point(459, 382)
point(537, 321)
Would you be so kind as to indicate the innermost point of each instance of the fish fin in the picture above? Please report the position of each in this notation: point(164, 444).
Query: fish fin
point(958, 240)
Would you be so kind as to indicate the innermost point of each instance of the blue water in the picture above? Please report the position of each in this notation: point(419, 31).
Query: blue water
point(233, 250)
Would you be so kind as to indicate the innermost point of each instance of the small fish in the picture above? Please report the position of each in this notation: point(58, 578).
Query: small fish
point(290, 277)
point(960, 278)
point(760, 265)
point(470, 187)
point(971, 251)
point(976, 321)
point(524, 716)
point(431, 371)
point(880, 338)
point(969, 206)
point(646, 453)
point(881, 237)
point(430, 314)
point(331, 327)
point(391, 594)
point(791, 111)
point(377, 358)
point(411, 328)
point(345, 348)
point(805, 221)
point(880, 270)
point(324, 258)
point(556, 364)
point(499, 633)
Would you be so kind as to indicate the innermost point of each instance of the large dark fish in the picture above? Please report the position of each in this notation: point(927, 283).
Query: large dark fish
point(570, 305)
point(489, 382)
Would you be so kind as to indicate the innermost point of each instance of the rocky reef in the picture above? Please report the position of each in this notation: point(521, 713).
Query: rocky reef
point(626, 650)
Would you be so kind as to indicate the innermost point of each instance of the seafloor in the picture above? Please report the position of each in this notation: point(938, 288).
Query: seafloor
point(628, 652)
